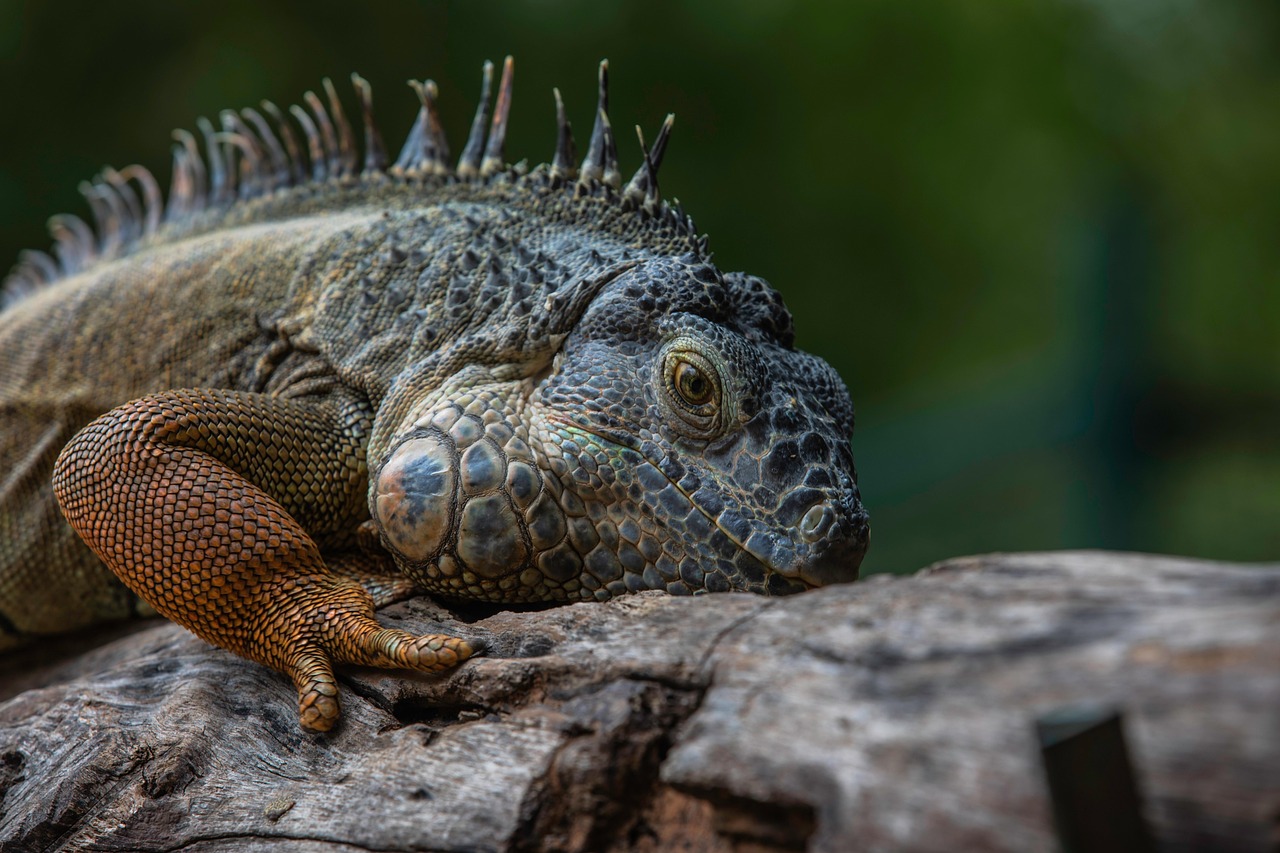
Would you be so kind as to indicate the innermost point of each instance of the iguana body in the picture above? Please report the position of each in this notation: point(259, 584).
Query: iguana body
point(342, 388)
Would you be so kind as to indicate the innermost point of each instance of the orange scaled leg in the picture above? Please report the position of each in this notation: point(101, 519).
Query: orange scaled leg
point(201, 501)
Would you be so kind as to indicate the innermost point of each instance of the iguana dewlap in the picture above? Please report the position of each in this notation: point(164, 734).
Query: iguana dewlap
point(309, 386)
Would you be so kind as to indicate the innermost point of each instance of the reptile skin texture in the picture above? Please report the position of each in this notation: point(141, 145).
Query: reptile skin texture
point(306, 385)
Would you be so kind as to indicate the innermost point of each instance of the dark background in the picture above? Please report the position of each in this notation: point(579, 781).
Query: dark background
point(1039, 240)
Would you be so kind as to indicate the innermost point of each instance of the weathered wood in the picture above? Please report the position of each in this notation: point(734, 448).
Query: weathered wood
point(893, 714)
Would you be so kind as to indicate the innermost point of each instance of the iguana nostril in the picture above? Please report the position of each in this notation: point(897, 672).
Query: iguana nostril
point(816, 521)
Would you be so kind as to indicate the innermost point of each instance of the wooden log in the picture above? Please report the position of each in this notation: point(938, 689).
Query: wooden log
point(892, 714)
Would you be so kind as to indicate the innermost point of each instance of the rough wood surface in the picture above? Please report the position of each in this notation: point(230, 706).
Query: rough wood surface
point(893, 714)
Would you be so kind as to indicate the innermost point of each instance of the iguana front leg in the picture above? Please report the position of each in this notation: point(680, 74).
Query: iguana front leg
point(201, 501)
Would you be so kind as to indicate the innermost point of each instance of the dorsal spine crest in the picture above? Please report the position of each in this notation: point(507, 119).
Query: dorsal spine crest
point(256, 153)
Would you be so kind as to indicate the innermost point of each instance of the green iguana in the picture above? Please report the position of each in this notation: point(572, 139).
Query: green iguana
point(305, 386)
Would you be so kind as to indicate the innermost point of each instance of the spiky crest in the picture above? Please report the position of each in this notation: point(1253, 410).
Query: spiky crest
point(253, 155)
point(469, 162)
point(564, 165)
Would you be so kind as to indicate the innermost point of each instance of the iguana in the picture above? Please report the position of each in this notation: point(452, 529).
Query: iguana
point(308, 384)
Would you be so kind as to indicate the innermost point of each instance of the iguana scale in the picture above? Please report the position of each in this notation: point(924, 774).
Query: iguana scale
point(307, 385)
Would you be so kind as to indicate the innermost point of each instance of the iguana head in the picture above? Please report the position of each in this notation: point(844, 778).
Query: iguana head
point(706, 451)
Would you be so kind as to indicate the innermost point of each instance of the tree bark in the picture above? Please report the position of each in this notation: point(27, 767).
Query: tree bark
point(891, 714)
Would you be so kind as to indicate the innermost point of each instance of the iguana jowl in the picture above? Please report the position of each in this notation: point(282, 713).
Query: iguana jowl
point(307, 387)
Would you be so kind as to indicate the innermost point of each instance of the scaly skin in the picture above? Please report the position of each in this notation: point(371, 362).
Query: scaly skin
point(338, 391)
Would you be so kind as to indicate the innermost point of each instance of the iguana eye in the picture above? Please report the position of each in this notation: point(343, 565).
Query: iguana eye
point(692, 385)
point(694, 398)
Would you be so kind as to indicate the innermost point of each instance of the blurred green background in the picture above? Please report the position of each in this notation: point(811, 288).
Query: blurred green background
point(1039, 240)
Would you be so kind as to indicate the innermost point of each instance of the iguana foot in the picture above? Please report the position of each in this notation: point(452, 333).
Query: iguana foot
point(322, 626)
